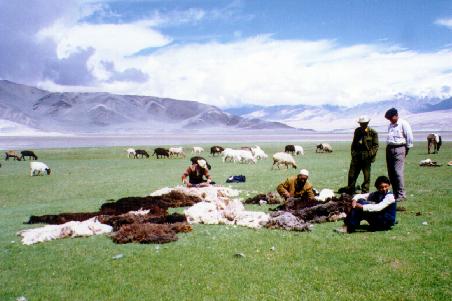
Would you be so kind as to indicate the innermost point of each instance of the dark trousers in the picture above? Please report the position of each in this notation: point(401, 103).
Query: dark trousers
point(356, 166)
point(378, 221)
point(395, 162)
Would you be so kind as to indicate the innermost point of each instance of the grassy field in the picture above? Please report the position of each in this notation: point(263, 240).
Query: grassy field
point(411, 262)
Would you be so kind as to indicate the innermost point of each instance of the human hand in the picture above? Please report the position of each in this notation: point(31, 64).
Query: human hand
point(406, 151)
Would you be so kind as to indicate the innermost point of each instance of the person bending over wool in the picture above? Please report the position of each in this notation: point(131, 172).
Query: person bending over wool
point(377, 208)
point(198, 175)
point(297, 187)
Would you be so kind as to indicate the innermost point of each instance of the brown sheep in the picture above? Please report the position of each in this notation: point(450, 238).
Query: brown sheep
point(12, 154)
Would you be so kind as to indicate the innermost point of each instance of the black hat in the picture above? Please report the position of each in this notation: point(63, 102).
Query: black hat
point(391, 112)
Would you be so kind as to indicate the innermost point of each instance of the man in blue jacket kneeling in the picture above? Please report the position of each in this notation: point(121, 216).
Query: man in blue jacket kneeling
point(377, 208)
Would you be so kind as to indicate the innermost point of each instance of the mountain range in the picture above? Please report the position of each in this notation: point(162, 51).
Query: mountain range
point(25, 109)
point(423, 113)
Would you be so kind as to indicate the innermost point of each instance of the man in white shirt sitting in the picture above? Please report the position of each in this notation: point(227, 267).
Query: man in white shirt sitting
point(399, 142)
point(377, 208)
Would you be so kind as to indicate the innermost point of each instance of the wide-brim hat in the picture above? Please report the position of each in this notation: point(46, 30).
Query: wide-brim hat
point(363, 119)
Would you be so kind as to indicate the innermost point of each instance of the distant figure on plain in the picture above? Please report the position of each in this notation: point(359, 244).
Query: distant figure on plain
point(399, 142)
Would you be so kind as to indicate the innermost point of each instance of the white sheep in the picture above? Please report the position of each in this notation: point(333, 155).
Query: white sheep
point(197, 150)
point(231, 154)
point(258, 153)
point(283, 158)
point(131, 153)
point(177, 151)
point(246, 156)
point(299, 150)
point(324, 147)
point(36, 168)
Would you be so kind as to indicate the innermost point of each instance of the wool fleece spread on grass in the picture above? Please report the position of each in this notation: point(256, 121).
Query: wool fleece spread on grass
point(146, 219)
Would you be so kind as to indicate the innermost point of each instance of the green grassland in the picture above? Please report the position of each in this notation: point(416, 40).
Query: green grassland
point(410, 262)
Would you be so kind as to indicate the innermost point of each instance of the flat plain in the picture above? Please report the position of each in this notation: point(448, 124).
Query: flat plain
point(413, 261)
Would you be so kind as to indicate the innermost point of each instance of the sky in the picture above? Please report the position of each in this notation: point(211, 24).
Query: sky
point(232, 53)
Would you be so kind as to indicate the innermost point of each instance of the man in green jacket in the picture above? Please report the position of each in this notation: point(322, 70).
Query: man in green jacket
point(297, 187)
point(364, 150)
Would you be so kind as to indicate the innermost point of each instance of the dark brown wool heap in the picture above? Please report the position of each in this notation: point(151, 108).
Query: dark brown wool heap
point(157, 205)
point(271, 198)
point(293, 204)
point(149, 233)
point(298, 215)
point(323, 212)
point(154, 227)
point(117, 221)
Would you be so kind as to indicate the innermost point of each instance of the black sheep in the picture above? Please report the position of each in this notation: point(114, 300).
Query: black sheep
point(290, 149)
point(161, 152)
point(28, 153)
point(142, 153)
point(216, 149)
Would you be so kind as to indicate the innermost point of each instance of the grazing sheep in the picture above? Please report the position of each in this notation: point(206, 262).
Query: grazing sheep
point(324, 147)
point(299, 150)
point(246, 156)
point(11, 154)
point(161, 152)
point(194, 160)
point(283, 158)
point(36, 168)
point(290, 148)
point(197, 150)
point(29, 154)
point(435, 141)
point(216, 150)
point(231, 154)
point(142, 153)
point(131, 153)
point(258, 153)
point(177, 151)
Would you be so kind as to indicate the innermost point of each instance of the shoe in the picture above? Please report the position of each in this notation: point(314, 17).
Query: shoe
point(341, 230)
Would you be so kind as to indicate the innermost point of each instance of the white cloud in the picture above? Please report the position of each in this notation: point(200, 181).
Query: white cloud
point(265, 71)
point(444, 22)
point(110, 42)
point(258, 70)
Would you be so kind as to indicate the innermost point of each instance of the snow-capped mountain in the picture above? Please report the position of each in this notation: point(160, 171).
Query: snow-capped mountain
point(32, 108)
point(423, 113)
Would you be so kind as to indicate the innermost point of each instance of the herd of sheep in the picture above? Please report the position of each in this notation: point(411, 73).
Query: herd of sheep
point(245, 154)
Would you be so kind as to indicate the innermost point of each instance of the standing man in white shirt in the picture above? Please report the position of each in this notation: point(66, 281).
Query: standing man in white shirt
point(399, 142)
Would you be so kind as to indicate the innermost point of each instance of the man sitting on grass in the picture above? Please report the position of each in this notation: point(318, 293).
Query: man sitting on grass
point(198, 175)
point(297, 187)
point(377, 208)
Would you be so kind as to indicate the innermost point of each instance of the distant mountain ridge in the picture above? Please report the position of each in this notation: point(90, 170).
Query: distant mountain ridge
point(73, 112)
point(423, 113)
